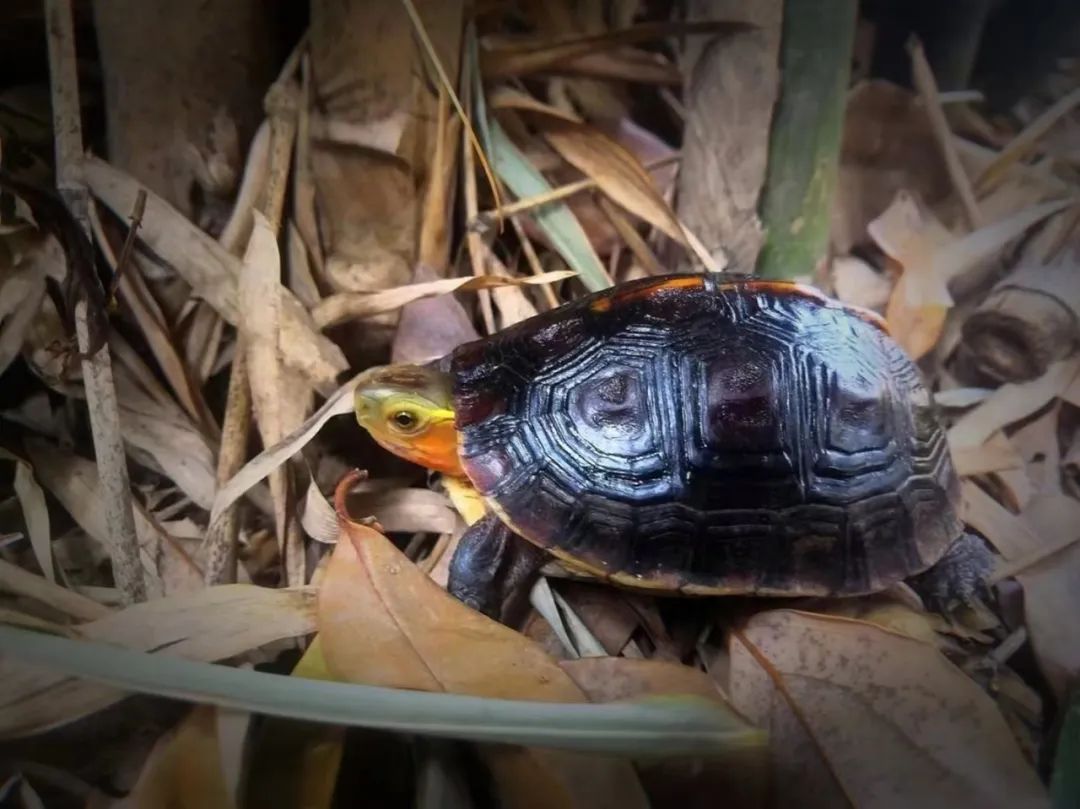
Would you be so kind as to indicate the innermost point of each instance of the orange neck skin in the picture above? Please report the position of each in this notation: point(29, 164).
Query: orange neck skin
point(436, 448)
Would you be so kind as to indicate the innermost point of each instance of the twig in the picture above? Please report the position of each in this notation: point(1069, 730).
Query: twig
point(128, 246)
point(433, 55)
point(472, 238)
point(629, 234)
point(1025, 141)
point(923, 78)
point(97, 368)
point(222, 536)
point(484, 219)
point(533, 260)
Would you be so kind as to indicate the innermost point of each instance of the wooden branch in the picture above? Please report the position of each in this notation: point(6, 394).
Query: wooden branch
point(96, 367)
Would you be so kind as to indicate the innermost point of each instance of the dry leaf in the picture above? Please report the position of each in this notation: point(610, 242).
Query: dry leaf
point(429, 328)
point(615, 169)
point(995, 455)
point(348, 305)
point(208, 625)
point(865, 717)
point(21, 293)
point(859, 284)
point(19, 582)
point(339, 403)
point(184, 769)
point(1012, 402)
point(932, 259)
point(74, 482)
point(1008, 533)
point(1052, 591)
point(888, 146)
point(382, 621)
point(212, 272)
point(157, 427)
point(609, 679)
point(35, 513)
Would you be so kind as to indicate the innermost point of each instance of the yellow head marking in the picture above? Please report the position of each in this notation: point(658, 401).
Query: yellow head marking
point(409, 410)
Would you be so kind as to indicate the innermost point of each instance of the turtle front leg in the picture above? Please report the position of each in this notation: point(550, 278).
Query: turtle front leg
point(957, 576)
point(491, 565)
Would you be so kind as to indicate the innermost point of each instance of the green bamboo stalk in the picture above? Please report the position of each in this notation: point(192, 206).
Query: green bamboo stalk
point(804, 145)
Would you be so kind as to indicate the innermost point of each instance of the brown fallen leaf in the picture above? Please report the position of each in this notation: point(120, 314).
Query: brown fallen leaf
point(860, 716)
point(184, 770)
point(382, 621)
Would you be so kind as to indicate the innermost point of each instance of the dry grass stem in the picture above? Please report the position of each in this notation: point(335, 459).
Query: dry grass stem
point(97, 369)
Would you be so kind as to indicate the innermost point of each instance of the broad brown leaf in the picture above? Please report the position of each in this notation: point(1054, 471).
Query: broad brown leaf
point(862, 716)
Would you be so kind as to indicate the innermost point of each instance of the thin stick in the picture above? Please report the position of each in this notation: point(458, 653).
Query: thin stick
point(533, 260)
point(1026, 140)
point(472, 238)
point(433, 55)
point(629, 234)
point(129, 244)
point(222, 537)
point(483, 220)
point(97, 368)
point(923, 78)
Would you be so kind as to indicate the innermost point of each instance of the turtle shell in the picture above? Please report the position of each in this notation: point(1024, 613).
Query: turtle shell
point(705, 435)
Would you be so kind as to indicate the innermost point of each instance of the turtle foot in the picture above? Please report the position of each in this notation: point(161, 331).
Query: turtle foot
point(492, 568)
point(958, 576)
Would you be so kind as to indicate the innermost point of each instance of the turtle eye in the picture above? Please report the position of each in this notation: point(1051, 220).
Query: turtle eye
point(404, 421)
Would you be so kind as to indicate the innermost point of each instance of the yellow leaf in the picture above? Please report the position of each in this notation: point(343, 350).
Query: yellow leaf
point(184, 769)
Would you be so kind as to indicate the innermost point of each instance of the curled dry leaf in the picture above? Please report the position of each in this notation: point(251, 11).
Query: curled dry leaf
point(932, 259)
point(382, 621)
point(859, 284)
point(347, 305)
point(429, 328)
point(337, 404)
point(861, 716)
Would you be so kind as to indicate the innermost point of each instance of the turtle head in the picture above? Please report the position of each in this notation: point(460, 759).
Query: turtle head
point(409, 410)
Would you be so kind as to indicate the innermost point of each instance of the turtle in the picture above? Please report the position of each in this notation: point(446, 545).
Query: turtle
point(693, 434)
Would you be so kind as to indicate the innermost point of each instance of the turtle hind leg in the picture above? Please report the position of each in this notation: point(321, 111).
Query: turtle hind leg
point(491, 566)
point(958, 576)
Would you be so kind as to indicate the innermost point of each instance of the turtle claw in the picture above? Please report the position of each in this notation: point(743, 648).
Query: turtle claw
point(959, 576)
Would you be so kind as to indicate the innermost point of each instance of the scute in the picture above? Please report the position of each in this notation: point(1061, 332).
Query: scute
point(714, 436)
